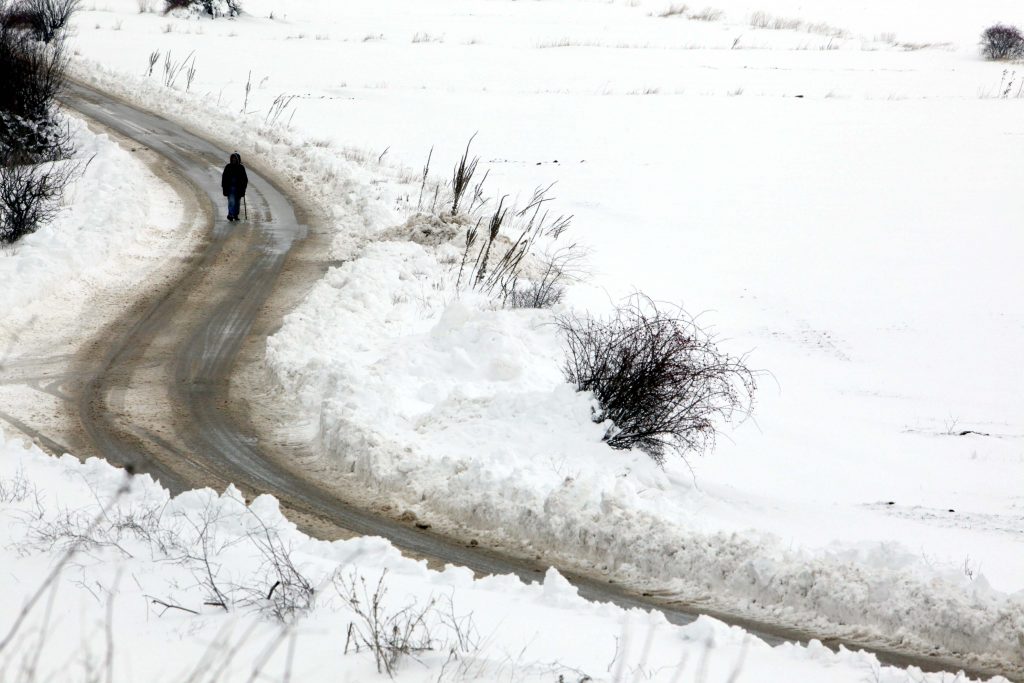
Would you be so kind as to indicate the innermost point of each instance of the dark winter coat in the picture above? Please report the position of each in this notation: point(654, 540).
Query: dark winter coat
point(234, 177)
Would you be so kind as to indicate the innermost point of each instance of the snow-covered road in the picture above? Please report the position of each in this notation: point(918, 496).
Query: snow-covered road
point(154, 388)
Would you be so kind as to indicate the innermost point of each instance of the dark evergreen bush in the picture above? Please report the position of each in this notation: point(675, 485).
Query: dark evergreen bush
point(33, 76)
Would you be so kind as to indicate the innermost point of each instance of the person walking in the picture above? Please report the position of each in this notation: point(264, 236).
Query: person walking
point(233, 182)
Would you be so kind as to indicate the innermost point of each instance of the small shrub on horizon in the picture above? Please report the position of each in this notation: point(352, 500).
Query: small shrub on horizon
point(1002, 41)
point(673, 11)
point(212, 8)
point(708, 14)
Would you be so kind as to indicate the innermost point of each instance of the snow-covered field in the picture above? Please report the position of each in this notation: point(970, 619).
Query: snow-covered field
point(842, 205)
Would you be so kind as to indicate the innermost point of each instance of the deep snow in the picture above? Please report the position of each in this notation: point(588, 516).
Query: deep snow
point(860, 238)
point(137, 551)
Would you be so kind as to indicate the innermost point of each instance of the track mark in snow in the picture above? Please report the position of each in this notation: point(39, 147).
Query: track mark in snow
point(951, 518)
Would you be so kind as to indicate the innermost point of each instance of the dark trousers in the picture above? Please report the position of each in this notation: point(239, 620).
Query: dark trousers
point(233, 201)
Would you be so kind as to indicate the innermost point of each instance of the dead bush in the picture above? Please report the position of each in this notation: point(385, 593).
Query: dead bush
point(30, 195)
point(48, 18)
point(291, 594)
point(1002, 41)
point(212, 8)
point(391, 635)
point(546, 287)
point(657, 378)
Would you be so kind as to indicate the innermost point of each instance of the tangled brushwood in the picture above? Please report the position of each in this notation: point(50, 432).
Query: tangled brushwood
point(33, 61)
point(46, 19)
point(33, 72)
point(213, 8)
point(30, 196)
point(1002, 42)
point(657, 378)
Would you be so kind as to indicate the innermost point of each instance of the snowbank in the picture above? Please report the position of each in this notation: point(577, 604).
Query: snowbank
point(106, 235)
point(459, 413)
point(133, 569)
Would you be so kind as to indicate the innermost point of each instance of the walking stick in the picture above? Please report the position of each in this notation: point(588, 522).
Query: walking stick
point(245, 207)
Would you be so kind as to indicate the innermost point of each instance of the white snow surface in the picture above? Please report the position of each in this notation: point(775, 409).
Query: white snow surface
point(60, 286)
point(842, 204)
point(91, 244)
point(104, 555)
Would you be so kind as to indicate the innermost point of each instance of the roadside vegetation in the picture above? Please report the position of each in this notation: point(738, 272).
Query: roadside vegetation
point(659, 381)
point(218, 557)
point(34, 145)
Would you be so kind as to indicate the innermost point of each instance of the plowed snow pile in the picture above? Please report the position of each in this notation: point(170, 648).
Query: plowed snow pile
point(121, 581)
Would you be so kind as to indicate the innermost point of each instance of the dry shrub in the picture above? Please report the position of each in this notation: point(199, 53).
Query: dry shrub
point(213, 8)
point(46, 19)
point(31, 140)
point(1002, 42)
point(708, 14)
point(30, 195)
point(657, 377)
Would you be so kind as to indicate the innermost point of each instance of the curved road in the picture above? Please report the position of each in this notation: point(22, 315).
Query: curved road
point(153, 390)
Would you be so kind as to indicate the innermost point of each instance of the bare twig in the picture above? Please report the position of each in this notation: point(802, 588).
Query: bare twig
point(61, 563)
point(169, 606)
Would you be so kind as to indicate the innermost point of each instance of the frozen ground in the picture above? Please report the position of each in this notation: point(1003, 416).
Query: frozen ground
point(842, 205)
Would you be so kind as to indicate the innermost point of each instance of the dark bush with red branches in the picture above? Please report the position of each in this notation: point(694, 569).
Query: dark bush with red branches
point(660, 380)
